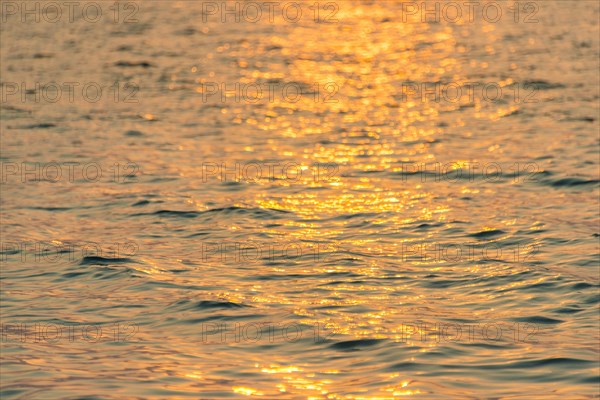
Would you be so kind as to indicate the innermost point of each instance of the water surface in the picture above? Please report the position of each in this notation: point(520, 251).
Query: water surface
point(371, 271)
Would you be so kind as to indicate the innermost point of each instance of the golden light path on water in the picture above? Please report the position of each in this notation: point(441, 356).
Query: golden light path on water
point(369, 123)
